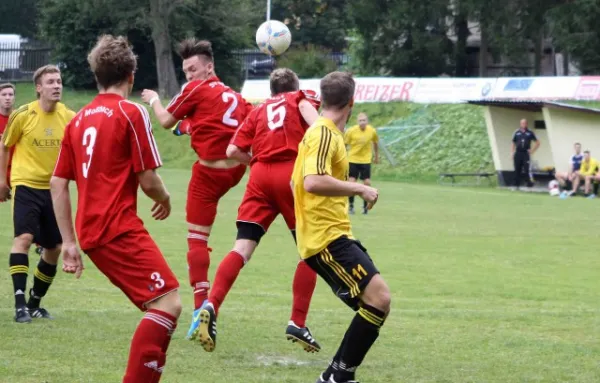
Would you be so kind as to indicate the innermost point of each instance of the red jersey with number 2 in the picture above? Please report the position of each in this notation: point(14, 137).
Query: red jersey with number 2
point(214, 111)
point(275, 128)
point(107, 143)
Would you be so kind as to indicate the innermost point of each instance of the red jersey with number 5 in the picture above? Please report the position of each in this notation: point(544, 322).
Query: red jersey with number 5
point(214, 111)
point(107, 143)
point(274, 129)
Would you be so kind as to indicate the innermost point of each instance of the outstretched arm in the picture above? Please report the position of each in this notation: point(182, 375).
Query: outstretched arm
point(163, 116)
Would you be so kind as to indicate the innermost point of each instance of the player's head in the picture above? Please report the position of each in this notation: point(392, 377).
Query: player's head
point(283, 80)
point(337, 92)
point(363, 120)
point(577, 147)
point(198, 61)
point(113, 62)
point(523, 123)
point(7, 96)
point(587, 156)
point(48, 83)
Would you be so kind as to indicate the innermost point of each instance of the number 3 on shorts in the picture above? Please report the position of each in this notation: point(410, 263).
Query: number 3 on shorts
point(160, 283)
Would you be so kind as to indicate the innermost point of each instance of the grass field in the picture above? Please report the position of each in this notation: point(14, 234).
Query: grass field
point(478, 296)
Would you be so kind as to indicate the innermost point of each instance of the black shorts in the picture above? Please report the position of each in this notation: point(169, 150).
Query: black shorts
point(347, 267)
point(360, 171)
point(33, 214)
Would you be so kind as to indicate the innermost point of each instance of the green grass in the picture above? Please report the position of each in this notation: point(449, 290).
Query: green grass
point(478, 296)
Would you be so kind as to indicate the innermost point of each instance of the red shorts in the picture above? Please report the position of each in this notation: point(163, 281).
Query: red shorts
point(134, 263)
point(206, 188)
point(268, 194)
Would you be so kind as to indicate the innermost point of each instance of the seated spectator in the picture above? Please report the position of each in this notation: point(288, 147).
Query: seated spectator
point(587, 172)
point(572, 175)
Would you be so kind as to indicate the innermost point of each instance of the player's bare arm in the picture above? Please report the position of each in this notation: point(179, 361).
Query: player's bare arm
point(153, 186)
point(4, 189)
point(165, 118)
point(237, 154)
point(61, 201)
point(329, 186)
point(308, 111)
point(376, 150)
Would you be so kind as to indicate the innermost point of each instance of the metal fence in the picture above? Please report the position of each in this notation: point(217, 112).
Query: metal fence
point(257, 65)
point(18, 60)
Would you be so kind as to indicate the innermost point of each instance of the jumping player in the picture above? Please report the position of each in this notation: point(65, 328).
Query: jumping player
point(272, 132)
point(211, 113)
point(108, 150)
point(324, 234)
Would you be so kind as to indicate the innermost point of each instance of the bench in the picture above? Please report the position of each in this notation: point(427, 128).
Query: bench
point(479, 176)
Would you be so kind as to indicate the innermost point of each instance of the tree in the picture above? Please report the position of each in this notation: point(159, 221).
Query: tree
point(19, 18)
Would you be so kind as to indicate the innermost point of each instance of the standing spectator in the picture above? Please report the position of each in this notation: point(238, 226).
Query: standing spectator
point(572, 175)
point(522, 151)
point(362, 140)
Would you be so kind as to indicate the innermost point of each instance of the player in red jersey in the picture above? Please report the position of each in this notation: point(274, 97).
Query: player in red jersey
point(7, 103)
point(272, 132)
point(109, 150)
point(211, 113)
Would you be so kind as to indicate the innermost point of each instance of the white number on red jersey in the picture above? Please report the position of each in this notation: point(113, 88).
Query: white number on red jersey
point(276, 116)
point(227, 120)
point(89, 140)
point(160, 283)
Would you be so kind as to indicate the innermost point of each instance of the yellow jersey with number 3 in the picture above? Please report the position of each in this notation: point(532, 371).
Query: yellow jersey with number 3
point(320, 219)
point(36, 136)
point(361, 144)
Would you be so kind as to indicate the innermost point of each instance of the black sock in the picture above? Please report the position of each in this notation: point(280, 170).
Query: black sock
point(19, 267)
point(42, 279)
point(361, 335)
point(351, 198)
point(334, 364)
point(364, 204)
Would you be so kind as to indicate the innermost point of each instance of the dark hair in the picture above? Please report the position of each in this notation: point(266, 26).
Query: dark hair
point(586, 152)
point(337, 90)
point(112, 60)
point(193, 47)
point(283, 80)
point(577, 143)
point(7, 85)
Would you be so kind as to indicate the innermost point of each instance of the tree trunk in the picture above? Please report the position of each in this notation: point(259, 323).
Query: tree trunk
point(483, 50)
point(461, 27)
point(165, 68)
point(565, 62)
point(538, 46)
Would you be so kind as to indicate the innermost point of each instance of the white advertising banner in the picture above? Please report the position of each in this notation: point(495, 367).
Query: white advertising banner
point(534, 88)
point(453, 90)
point(368, 89)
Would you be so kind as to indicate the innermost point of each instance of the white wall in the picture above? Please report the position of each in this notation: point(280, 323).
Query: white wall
point(565, 127)
point(501, 124)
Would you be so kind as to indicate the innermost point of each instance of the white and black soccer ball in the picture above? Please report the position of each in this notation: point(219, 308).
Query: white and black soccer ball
point(273, 37)
point(553, 188)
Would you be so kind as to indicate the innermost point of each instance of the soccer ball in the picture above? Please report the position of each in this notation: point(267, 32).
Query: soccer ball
point(553, 188)
point(273, 37)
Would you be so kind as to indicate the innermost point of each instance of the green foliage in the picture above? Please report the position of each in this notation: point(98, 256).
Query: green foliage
point(308, 62)
point(19, 18)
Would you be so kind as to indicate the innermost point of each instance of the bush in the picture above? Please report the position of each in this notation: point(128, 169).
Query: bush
point(308, 62)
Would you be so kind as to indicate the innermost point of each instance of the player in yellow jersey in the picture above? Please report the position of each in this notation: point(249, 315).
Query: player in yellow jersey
point(362, 140)
point(324, 236)
point(35, 130)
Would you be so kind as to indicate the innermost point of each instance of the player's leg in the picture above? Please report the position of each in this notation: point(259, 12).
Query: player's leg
point(366, 177)
point(26, 216)
point(135, 265)
point(353, 174)
point(305, 278)
point(45, 271)
point(354, 278)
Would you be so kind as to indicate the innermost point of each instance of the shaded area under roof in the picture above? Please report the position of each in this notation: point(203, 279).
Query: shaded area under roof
point(535, 106)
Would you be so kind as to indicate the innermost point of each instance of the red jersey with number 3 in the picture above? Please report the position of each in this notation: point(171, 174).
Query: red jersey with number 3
point(274, 129)
point(107, 143)
point(214, 111)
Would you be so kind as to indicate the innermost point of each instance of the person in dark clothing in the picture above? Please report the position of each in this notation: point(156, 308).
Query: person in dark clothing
point(522, 151)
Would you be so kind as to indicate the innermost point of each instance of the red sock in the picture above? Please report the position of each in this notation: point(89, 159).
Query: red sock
point(147, 355)
point(305, 280)
point(198, 263)
point(227, 273)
